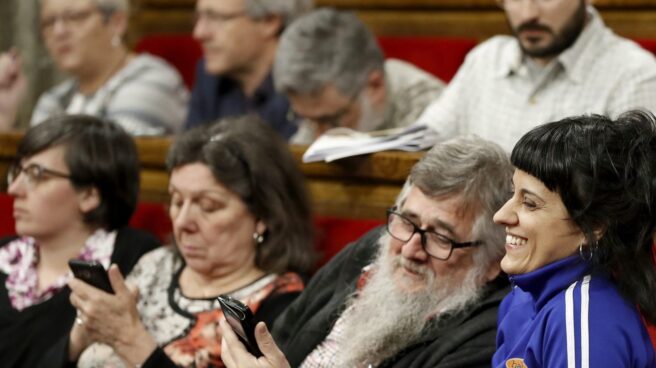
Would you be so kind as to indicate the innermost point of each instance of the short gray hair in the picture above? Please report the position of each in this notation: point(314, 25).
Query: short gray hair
point(287, 9)
point(326, 46)
point(109, 7)
point(479, 171)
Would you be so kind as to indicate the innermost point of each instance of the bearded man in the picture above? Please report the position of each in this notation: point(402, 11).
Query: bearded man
point(423, 292)
point(561, 61)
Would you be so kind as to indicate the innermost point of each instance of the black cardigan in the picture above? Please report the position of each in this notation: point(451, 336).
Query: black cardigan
point(463, 340)
point(28, 335)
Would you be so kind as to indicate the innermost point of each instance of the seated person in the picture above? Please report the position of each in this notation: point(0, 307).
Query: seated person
point(239, 40)
point(75, 184)
point(334, 74)
point(142, 93)
point(561, 61)
point(424, 292)
point(579, 245)
point(242, 227)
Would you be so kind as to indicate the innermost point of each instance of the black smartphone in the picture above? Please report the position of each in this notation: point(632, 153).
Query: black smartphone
point(240, 318)
point(93, 273)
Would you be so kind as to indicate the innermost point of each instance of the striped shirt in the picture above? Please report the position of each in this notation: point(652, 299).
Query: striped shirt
point(496, 95)
point(146, 97)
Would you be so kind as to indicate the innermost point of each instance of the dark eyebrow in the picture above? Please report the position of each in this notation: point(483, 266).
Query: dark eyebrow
point(526, 191)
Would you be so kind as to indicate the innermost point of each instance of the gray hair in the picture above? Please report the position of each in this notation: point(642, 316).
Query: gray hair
point(109, 7)
point(326, 46)
point(478, 170)
point(287, 9)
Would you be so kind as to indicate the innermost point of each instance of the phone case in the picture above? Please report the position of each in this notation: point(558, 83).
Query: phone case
point(93, 273)
point(240, 318)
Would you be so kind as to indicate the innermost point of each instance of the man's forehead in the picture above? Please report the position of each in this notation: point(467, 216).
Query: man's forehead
point(220, 4)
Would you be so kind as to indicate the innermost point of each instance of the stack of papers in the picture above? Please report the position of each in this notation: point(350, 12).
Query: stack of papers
point(343, 142)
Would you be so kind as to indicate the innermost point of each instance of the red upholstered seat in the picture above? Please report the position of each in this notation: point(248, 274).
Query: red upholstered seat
point(6, 215)
point(439, 56)
point(180, 50)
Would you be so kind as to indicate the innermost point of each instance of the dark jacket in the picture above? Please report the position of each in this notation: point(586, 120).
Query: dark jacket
point(466, 339)
point(30, 335)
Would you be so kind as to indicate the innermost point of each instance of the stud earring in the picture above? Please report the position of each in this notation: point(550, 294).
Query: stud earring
point(259, 239)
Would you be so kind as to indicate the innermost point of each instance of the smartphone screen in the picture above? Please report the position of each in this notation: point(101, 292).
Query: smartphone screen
point(240, 318)
point(93, 273)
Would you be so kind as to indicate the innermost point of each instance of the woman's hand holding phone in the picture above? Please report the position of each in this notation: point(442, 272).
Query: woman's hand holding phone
point(235, 355)
point(113, 319)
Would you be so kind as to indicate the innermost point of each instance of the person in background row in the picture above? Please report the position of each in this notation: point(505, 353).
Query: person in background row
point(562, 61)
point(423, 293)
point(75, 183)
point(579, 230)
point(239, 39)
point(143, 94)
point(242, 226)
point(333, 72)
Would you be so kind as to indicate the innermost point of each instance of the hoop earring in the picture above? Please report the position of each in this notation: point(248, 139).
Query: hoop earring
point(259, 239)
point(586, 256)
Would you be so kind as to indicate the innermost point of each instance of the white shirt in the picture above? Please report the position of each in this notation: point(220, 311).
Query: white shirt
point(496, 95)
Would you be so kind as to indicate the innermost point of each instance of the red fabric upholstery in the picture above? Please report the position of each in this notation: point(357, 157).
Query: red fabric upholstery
point(439, 56)
point(647, 44)
point(181, 50)
point(6, 215)
point(154, 218)
point(333, 234)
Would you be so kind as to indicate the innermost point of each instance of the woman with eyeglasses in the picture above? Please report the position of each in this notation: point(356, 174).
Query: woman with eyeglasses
point(242, 227)
point(144, 94)
point(75, 184)
point(579, 235)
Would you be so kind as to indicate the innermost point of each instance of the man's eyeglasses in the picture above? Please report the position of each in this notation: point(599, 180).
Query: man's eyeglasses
point(33, 174)
point(436, 245)
point(69, 18)
point(514, 4)
point(216, 19)
point(334, 120)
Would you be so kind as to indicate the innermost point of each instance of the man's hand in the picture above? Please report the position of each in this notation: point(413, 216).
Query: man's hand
point(235, 355)
point(113, 319)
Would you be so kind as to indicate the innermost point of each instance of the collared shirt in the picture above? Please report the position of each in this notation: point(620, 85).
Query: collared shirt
point(217, 97)
point(496, 96)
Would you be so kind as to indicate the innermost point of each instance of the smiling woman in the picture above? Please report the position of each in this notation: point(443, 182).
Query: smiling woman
point(579, 230)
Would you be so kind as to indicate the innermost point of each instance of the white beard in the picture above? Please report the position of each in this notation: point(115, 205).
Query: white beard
point(381, 320)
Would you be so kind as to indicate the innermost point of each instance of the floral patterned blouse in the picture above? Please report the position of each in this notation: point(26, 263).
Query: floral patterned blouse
point(19, 260)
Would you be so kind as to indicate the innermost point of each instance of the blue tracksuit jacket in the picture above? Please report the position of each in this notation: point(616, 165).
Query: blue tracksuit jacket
point(561, 315)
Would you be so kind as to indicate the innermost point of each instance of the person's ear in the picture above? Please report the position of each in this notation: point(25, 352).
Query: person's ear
point(375, 88)
point(118, 22)
point(88, 199)
point(271, 26)
point(260, 227)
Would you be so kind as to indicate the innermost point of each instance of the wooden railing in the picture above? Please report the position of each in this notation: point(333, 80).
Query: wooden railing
point(358, 187)
point(447, 18)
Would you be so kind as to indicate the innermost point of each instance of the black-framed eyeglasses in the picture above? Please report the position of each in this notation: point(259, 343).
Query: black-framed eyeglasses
point(434, 244)
point(33, 174)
